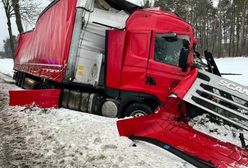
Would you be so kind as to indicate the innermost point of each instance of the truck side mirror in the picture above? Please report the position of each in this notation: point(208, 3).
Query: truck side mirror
point(184, 54)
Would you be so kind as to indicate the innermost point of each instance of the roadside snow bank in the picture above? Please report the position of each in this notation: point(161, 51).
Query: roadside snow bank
point(6, 66)
point(65, 138)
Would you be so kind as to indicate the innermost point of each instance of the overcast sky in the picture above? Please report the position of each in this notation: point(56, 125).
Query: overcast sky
point(3, 22)
point(3, 27)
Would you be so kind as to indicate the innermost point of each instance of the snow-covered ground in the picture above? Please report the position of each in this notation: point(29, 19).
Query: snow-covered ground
point(237, 65)
point(34, 137)
point(64, 138)
point(6, 66)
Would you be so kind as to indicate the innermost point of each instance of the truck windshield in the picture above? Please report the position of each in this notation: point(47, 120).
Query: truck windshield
point(167, 50)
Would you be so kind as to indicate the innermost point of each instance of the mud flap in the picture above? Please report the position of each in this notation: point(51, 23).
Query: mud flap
point(164, 127)
point(46, 98)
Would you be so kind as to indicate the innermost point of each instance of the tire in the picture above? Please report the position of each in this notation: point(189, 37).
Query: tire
point(137, 110)
point(22, 80)
point(18, 79)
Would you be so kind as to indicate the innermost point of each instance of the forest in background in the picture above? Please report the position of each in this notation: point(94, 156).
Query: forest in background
point(221, 29)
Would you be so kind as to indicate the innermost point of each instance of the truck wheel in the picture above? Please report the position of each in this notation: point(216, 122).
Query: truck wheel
point(137, 110)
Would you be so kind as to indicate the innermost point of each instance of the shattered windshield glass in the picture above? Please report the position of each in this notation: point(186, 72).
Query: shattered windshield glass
point(167, 50)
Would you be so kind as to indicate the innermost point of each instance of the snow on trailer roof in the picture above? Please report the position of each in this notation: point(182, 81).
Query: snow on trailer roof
point(112, 17)
point(108, 18)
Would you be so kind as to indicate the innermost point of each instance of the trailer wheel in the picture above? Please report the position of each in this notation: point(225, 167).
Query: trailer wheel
point(137, 110)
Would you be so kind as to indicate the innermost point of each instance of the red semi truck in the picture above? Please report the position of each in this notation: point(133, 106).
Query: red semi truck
point(114, 64)
point(102, 65)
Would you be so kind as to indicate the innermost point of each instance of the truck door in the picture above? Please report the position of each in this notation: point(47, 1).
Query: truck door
point(163, 71)
point(133, 77)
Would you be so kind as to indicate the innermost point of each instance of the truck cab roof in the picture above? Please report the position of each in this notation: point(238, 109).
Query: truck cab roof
point(159, 21)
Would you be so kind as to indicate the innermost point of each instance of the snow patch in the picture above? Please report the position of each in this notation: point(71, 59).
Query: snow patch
point(220, 131)
point(6, 66)
point(236, 65)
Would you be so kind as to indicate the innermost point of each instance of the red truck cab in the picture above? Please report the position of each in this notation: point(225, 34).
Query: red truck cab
point(145, 57)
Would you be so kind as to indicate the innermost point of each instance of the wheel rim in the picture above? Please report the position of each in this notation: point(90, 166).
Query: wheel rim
point(138, 113)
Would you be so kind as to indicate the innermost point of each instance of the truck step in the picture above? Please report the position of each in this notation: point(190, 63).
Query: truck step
point(220, 97)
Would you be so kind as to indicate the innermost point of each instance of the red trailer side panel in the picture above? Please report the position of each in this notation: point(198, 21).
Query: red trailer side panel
point(44, 51)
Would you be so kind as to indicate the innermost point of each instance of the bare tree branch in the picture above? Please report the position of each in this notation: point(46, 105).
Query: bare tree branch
point(29, 10)
point(8, 12)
